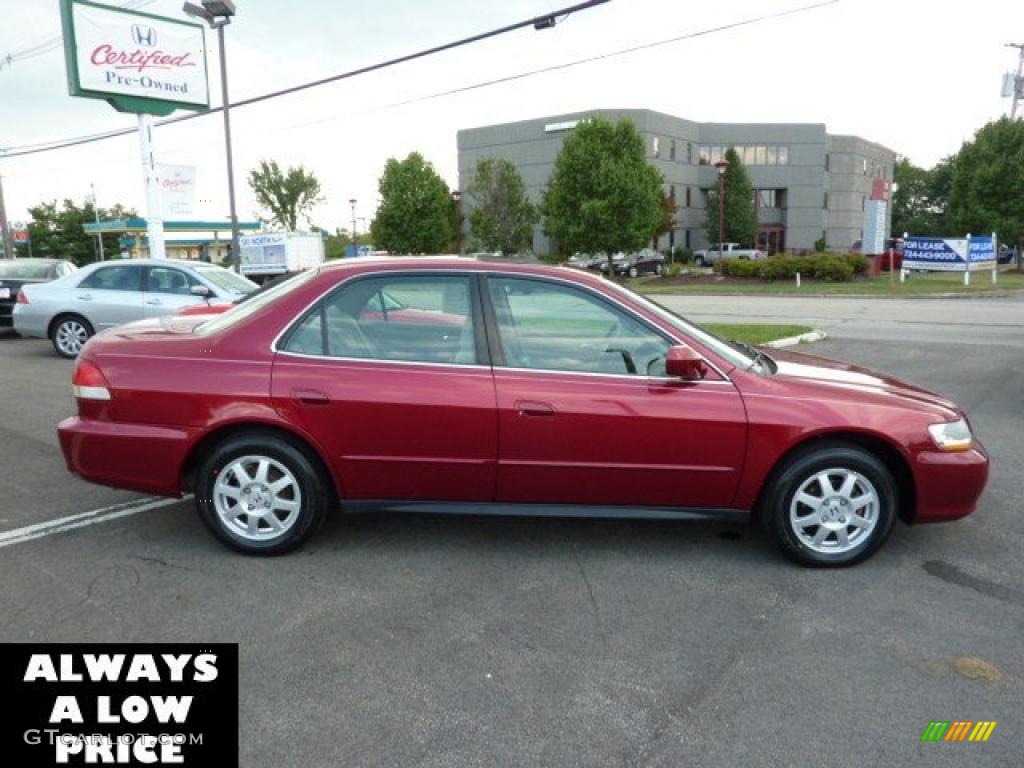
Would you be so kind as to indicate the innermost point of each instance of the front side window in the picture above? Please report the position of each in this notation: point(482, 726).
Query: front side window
point(121, 277)
point(553, 327)
point(404, 318)
point(167, 280)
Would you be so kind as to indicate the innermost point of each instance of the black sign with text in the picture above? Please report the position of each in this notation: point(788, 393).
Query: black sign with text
point(119, 704)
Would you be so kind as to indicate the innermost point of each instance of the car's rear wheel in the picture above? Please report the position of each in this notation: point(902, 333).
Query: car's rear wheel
point(831, 506)
point(260, 494)
point(69, 335)
point(700, 261)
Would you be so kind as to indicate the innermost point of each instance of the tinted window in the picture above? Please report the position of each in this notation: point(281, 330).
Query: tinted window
point(553, 327)
point(167, 280)
point(114, 278)
point(426, 319)
point(29, 270)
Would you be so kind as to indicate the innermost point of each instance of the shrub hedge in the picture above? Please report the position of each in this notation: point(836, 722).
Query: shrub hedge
point(830, 267)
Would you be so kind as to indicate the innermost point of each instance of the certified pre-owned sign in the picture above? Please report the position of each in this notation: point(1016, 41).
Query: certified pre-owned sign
point(137, 61)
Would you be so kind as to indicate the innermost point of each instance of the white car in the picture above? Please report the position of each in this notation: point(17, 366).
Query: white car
point(718, 251)
point(109, 293)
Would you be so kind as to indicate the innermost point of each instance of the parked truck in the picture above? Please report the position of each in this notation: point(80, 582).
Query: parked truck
point(718, 251)
point(271, 254)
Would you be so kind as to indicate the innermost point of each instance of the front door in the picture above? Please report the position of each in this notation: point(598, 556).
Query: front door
point(110, 295)
point(389, 375)
point(586, 414)
point(169, 289)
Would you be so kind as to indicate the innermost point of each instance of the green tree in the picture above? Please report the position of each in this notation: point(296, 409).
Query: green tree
point(58, 232)
point(501, 216)
point(987, 184)
point(740, 214)
point(286, 195)
point(416, 210)
point(668, 221)
point(603, 195)
point(920, 203)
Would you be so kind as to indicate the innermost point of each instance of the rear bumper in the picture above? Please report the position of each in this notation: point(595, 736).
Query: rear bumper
point(30, 323)
point(949, 484)
point(136, 457)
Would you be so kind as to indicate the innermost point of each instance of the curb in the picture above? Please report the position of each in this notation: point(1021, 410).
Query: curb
point(792, 341)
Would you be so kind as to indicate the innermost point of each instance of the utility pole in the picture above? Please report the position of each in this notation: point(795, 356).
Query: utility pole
point(4, 226)
point(96, 212)
point(1018, 81)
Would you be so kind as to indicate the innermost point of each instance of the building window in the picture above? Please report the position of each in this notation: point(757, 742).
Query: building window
point(656, 147)
point(825, 206)
point(688, 239)
point(704, 156)
point(767, 198)
point(783, 155)
point(672, 150)
point(773, 156)
point(828, 162)
point(864, 167)
point(689, 197)
point(689, 153)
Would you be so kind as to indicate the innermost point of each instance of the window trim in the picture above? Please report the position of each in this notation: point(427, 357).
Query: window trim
point(676, 336)
point(319, 305)
point(190, 278)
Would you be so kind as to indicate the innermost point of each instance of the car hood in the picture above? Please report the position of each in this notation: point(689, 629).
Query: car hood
point(833, 373)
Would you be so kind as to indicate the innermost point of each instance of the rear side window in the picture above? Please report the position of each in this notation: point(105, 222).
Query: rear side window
point(114, 278)
point(169, 280)
point(405, 318)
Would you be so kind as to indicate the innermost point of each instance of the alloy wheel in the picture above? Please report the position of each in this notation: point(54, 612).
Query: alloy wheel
point(70, 337)
point(257, 498)
point(834, 511)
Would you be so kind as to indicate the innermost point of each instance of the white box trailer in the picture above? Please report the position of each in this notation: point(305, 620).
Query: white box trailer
point(274, 253)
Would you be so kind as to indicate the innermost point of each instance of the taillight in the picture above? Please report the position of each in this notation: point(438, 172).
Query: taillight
point(88, 381)
point(22, 298)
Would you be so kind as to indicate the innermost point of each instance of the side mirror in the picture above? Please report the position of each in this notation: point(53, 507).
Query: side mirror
point(201, 290)
point(683, 362)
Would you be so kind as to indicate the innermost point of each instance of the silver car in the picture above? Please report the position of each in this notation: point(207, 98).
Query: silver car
point(71, 309)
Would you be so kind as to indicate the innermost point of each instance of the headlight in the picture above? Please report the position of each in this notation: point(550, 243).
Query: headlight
point(951, 435)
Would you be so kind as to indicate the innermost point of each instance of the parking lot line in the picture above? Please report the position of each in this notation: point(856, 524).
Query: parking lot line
point(83, 519)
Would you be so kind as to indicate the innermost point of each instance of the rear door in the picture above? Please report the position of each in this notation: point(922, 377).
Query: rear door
point(389, 373)
point(110, 295)
point(169, 289)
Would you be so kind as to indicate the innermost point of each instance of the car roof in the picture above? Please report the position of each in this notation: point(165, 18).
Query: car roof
point(32, 260)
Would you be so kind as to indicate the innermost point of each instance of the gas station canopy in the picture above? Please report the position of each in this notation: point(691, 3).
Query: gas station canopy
point(117, 226)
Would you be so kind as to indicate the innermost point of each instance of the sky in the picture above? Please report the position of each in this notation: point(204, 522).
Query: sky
point(919, 76)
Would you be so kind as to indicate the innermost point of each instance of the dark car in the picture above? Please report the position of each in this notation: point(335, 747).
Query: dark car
point(1007, 255)
point(557, 393)
point(14, 273)
point(646, 262)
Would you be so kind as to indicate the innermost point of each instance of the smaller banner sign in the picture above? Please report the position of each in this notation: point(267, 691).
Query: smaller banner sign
point(177, 191)
point(21, 236)
point(941, 254)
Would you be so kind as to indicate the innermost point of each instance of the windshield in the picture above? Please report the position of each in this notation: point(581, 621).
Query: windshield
point(225, 279)
point(33, 270)
point(240, 312)
point(741, 356)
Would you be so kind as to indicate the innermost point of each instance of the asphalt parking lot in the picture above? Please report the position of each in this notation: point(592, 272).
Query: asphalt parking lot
point(431, 641)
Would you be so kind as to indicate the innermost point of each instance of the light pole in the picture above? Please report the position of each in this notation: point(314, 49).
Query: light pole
point(217, 14)
point(355, 239)
point(5, 227)
point(96, 215)
point(721, 165)
point(1018, 81)
point(457, 208)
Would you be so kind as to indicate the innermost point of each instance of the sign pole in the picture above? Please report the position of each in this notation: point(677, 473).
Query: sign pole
point(967, 265)
point(995, 254)
point(154, 211)
point(5, 226)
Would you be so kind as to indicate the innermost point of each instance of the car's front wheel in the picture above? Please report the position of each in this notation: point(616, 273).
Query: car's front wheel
point(831, 506)
point(700, 261)
point(69, 335)
point(260, 494)
point(634, 272)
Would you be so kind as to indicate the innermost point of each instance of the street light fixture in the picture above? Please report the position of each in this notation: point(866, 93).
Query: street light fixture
point(217, 14)
point(721, 165)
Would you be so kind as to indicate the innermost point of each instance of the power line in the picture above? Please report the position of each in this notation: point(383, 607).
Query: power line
point(29, 149)
point(538, 22)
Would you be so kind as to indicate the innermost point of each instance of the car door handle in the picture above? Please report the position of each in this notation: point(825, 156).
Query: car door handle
point(534, 408)
point(154, 301)
point(311, 396)
point(85, 297)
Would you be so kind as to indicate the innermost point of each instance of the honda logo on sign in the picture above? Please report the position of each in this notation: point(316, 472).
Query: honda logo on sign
point(143, 35)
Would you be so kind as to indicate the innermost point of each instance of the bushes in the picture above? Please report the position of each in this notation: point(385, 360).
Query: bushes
point(830, 267)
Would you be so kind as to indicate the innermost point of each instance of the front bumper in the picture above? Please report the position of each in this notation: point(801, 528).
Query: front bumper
point(135, 457)
point(948, 485)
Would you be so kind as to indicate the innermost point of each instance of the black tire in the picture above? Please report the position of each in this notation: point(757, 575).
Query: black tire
point(800, 469)
point(63, 325)
point(316, 491)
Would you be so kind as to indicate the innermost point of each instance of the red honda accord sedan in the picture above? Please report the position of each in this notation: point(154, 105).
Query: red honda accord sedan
point(451, 385)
